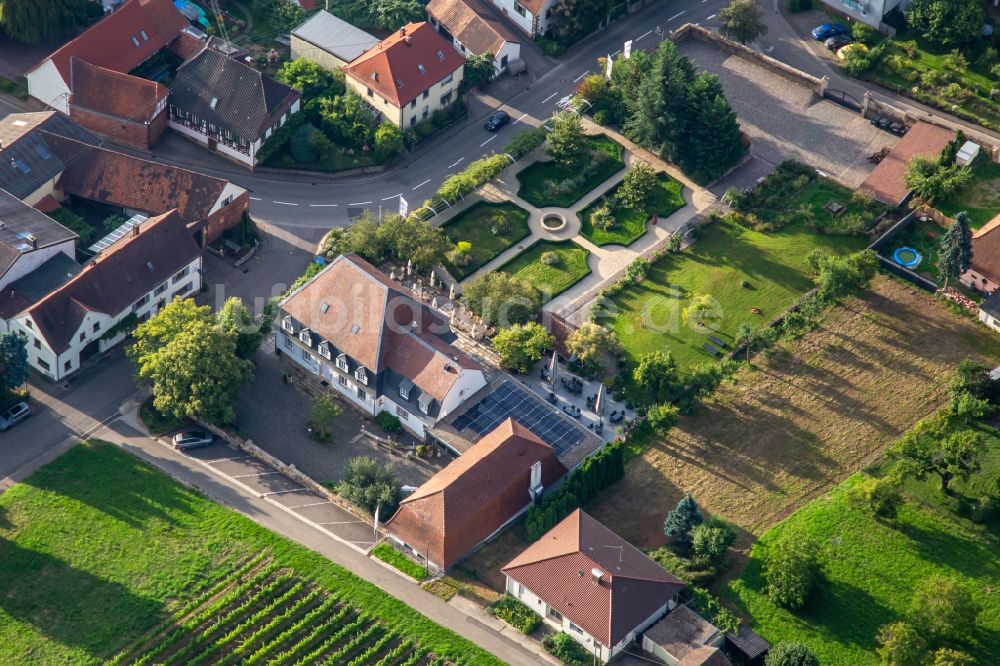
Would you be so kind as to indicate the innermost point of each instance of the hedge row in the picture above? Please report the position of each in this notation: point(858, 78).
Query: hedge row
point(515, 613)
point(594, 475)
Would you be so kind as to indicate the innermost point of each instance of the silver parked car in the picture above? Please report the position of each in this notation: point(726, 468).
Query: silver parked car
point(11, 416)
point(193, 439)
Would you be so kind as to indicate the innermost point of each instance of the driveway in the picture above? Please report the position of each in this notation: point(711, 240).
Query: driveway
point(788, 121)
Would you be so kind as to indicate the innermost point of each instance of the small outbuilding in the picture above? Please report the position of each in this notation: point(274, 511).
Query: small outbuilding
point(967, 154)
point(684, 638)
point(329, 41)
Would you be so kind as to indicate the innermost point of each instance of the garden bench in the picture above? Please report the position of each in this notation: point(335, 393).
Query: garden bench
point(710, 349)
point(718, 342)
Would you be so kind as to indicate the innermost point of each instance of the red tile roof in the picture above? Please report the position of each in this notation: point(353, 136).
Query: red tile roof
point(986, 251)
point(113, 93)
point(396, 63)
point(885, 182)
point(108, 43)
point(117, 278)
point(473, 24)
point(558, 569)
point(475, 495)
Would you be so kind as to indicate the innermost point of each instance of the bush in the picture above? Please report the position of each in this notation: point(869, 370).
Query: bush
point(565, 647)
point(943, 608)
point(551, 258)
point(711, 540)
point(388, 142)
point(499, 226)
point(791, 569)
point(662, 417)
point(309, 144)
point(515, 613)
point(880, 497)
point(76, 224)
point(524, 142)
point(370, 485)
point(389, 422)
point(400, 561)
point(791, 654)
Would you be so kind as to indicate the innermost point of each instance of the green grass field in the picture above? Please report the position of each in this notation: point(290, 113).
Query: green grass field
point(980, 198)
point(550, 280)
point(400, 561)
point(648, 316)
point(630, 224)
point(872, 568)
point(925, 238)
point(473, 226)
point(103, 558)
point(535, 179)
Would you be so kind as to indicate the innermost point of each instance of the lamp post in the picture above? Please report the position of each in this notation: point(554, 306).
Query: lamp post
point(659, 32)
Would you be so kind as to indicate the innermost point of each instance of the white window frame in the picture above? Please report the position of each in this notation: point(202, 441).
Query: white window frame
point(306, 337)
point(361, 375)
point(324, 349)
point(287, 325)
point(341, 363)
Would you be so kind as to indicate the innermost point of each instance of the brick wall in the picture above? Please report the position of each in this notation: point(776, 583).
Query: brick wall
point(129, 132)
point(227, 217)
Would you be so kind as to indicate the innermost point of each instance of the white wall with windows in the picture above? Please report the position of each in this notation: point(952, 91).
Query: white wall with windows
point(871, 12)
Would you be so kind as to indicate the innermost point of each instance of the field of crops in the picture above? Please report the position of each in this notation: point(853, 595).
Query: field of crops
point(265, 614)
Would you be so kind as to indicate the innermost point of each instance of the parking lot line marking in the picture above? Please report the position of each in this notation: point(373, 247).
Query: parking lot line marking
point(643, 35)
point(675, 15)
point(520, 119)
point(323, 205)
point(285, 203)
point(487, 141)
point(550, 97)
point(215, 460)
point(302, 506)
point(422, 184)
point(581, 76)
point(282, 492)
point(243, 476)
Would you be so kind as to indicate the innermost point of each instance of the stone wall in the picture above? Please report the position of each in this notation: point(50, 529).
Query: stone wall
point(227, 217)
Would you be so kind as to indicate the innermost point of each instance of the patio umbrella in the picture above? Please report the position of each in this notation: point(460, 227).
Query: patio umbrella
point(553, 367)
point(599, 401)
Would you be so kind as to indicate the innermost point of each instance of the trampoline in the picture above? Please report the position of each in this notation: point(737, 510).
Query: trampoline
point(907, 257)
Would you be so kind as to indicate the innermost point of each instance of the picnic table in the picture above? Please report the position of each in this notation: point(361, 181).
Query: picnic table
point(710, 349)
point(718, 342)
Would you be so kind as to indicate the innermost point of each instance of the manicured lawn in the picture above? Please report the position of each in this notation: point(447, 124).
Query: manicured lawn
point(474, 226)
point(649, 314)
point(550, 280)
point(338, 161)
point(925, 238)
point(873, 567)
point(630, 224)
point(102, 555)
point(396, 559)
point(537, 180)
point(980, 198)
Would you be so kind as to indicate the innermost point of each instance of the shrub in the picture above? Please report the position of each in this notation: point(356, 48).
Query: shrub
point(524, 142)
point(791, 569)
point(900, 644)
point(565, 647)
point(370, 485)
point(637, 184)
point(462, 254)
point(791, 654)
point(400, 561)
point(662, 417)
point(711, 540)
point(880, 497)
point(864, 33)
point(943, 609)
point(499, 226)
point(602, 217)
point(515, 613)
point(551, 258)
point(388, 422)
point(388, 142)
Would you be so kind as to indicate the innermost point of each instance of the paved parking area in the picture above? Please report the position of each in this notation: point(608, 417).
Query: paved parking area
point(282, 491)
point(785, 120)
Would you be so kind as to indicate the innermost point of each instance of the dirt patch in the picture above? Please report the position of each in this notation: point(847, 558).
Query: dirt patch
point(811, 413)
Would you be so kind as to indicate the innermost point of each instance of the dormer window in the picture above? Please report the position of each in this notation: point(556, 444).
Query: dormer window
point(405, 387)
point(135, 41)
point(440, 55)
point(342, 362)
point(287, 325)
point(324, 349)
point(424, 403)
point(374, 76)
point(421, 69)
point(361, 375)
point(306, 337)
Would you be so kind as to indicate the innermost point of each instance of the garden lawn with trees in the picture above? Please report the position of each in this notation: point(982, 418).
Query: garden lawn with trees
point(980, 197)
point(556, 183)
point(103, 557)
point(490, 229)
point(629, 224)
point(648, 316)
point(873, 568)
point(569, 266)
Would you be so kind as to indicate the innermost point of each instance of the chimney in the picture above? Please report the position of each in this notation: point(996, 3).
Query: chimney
point(32, 240)
point(402, 31)
point(135, 231)
point(407, 40)
point(596, 573)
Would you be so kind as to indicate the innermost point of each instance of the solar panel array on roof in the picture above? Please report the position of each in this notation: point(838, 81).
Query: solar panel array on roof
point(117, 234)
point(510, 400)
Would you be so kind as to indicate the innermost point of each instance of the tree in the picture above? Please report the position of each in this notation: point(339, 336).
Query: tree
point(566, 143)
point(479, 70)
point(31, 21)
point(521, 346)
point(311, 79)
point(955, 252)
point(951, 456)
point(791, 570)
point(347, 118)
point(943, 609)
point(790, 653)
point(845, 275)
point(949, 657)
point(662, 417)
point(659, 109)
point(637, 184)
point(575, 19)
point(74, 223)
point(589, 344)
point(388, 142)
point(13, 361)
point(931, 180)
point(321, 416)
point(160, 330)
point(880, 497)
point(369, 484)
point(235, 318)
point(657, 376)
point(754, 339)
point(112, 222)
point(412, 239)
point(973, 378)
point(701, 309)
point(714, 142)
point(712, 539)
point(501, 299)
point(900, 644)
point(681, 520)
point(390, 14)
point(742, 21)
point(196, 373)
point(308, 144)
point(947, 22)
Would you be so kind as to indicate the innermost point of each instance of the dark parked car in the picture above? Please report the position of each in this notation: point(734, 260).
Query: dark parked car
point(496, 120)
point(828, 30)
point(192, 440)
point(837, 42)
point(11, 416)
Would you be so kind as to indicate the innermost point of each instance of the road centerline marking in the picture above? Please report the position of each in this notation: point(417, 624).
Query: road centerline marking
point(285, 203)
point(487, 141)
point(550, 97)
point(360, 203)
point(675, 15)
point(421, 184)
point(459, 161)
point(323, 205)
point(394, 196)
point(581, 76)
